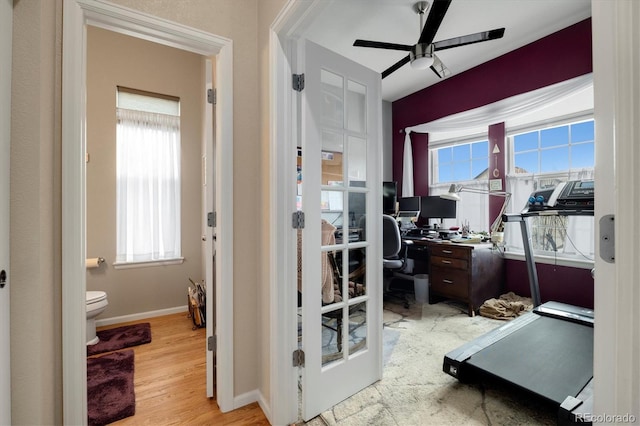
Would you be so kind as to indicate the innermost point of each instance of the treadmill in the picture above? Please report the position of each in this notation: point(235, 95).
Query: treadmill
point(548, 351)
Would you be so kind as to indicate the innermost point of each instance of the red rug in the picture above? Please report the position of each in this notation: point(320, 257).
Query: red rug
point(110, 392)
point(117, 338)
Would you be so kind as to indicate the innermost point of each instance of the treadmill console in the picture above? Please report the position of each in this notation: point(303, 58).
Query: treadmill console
point(571, 195)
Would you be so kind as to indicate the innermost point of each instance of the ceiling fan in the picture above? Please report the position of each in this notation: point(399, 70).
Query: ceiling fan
point(422, 54)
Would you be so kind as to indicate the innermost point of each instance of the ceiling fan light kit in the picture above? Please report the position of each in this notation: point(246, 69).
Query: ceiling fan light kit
point(422, 54)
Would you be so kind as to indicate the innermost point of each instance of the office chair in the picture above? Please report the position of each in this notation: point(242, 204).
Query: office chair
point(394, 254)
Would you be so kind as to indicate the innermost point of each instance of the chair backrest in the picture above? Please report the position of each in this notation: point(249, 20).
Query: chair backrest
point(391, 241)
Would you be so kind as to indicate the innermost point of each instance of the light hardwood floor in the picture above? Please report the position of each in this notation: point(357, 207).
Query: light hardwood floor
point(170, 382)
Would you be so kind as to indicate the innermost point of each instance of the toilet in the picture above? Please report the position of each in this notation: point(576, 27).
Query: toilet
point(96, 304)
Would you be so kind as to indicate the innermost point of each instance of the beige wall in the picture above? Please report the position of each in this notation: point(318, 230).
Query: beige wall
point(119, 60)
point(36, 339)
point(36, 192)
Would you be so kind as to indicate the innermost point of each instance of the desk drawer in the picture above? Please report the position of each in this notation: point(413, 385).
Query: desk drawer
point(449, 262)
point(449, 282)
point(449, 250)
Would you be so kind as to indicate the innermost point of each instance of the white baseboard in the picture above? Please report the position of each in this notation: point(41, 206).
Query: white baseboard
point(251, 397)
point(140, 316)
point(245, 398)
point(264, 405)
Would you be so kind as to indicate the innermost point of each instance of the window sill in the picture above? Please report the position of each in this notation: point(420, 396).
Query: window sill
point(550, 260)
point(148, 263)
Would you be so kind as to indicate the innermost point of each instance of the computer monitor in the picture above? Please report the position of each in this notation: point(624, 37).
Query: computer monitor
point(434, 207)
point(409, 204)
point(389, 197)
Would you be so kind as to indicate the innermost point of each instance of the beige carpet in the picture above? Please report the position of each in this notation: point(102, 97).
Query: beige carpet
point(415, 391)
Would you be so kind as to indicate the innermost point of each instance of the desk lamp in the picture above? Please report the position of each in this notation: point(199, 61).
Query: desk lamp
point(455, 189)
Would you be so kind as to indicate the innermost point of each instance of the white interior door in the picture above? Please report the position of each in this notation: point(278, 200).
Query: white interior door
point(209, 234)
point(6, 24)
point(341, 183)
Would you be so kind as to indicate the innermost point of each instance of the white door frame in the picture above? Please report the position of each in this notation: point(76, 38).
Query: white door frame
point(6, 28)
point(617, 327)
point(78, 14)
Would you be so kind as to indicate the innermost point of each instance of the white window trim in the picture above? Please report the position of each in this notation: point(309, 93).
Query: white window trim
point(555, 122)
point(148, 263)
point(551, 260)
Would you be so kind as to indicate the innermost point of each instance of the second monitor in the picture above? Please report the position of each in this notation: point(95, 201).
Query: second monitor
point(434, 207)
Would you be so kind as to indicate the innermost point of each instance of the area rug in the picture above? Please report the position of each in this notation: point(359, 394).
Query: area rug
point(110, 392)
point(117, 338)
point(414, 391)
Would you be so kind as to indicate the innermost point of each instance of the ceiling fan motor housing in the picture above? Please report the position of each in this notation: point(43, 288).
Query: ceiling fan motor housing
point(421, 55)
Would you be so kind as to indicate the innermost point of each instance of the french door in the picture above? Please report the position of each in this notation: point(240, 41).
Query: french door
point(340, 194)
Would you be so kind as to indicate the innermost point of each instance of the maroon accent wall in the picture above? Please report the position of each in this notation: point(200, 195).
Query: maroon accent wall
point(420, 148)
point(557, 283)
point(557, 57)
point(497, 169)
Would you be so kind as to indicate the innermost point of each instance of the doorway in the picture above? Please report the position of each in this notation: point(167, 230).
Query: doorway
point(121, 68)
point(295, 111)
point(78, 14)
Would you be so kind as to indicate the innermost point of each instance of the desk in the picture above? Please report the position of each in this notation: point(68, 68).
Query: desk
point(469, 273)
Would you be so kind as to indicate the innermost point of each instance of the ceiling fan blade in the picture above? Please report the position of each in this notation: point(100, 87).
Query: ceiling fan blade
point(382, 45)
point(468, 39)
point(436, 15)
point(439, 68)
point(395, 66)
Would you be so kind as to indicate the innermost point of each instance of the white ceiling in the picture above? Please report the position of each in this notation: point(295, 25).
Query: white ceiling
point(343, 21)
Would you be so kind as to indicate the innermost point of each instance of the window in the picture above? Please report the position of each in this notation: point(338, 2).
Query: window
point(541, 159)
point(461, 162)
point(554, 149)
point(148, 177)
point(466, 164)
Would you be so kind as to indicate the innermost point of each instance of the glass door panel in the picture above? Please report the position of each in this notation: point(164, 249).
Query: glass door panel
point(332, 86)
point(332, 158)
point(356, 107)
point(357, 164)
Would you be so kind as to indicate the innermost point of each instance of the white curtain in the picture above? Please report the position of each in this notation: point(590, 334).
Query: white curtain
point(472, 209)
point(148, 186)
point(506, 109)
point(407, 168)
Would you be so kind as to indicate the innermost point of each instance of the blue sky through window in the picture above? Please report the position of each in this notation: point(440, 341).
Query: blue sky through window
point(555, 149)
point(462, 162)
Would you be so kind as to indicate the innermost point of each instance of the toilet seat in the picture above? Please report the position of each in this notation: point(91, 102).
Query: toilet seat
point(95, 296)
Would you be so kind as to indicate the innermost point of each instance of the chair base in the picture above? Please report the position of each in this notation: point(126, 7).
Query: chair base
point(397, 294)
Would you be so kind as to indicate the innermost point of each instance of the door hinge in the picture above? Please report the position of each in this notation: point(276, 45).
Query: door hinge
point(298, 82)
point(298, 358)
point(211, 219)
point(212, 96)
point(607, 238)
point(211, 344)
point(297, 220)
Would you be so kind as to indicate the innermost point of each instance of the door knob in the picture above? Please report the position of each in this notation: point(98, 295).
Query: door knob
point(3, 278)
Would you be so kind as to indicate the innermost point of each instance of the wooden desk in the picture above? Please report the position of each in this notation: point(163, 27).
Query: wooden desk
point(469, 273)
